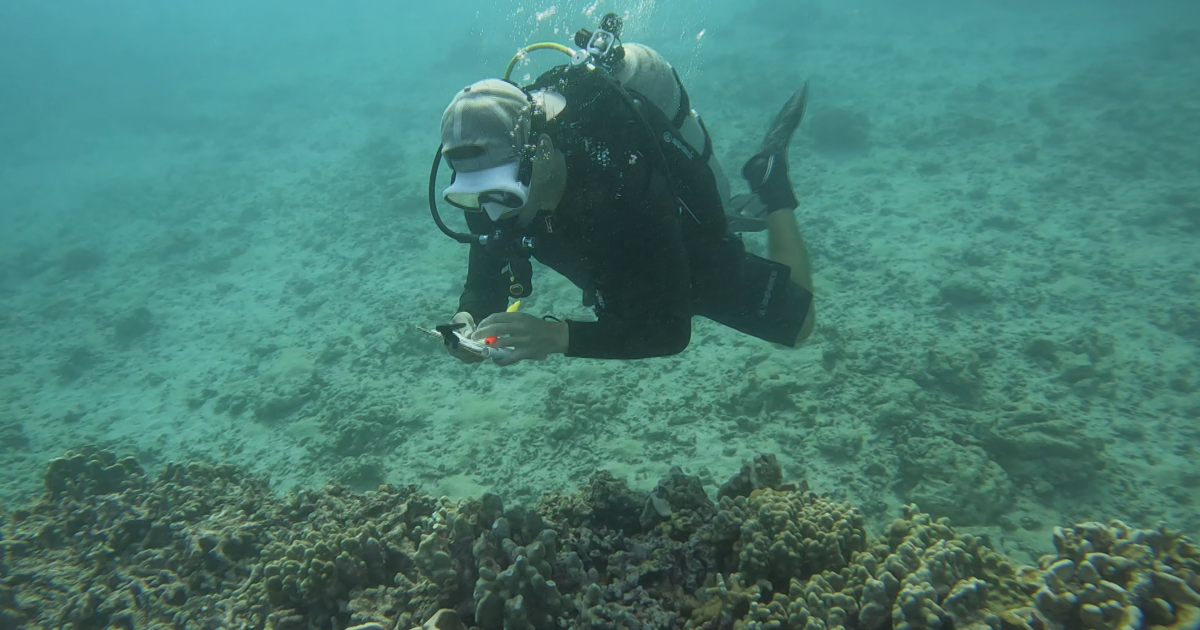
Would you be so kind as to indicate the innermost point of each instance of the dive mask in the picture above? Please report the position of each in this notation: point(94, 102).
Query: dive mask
point(498, 191)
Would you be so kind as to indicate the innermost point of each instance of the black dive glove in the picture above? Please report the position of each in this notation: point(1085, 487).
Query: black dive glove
point(767, 175)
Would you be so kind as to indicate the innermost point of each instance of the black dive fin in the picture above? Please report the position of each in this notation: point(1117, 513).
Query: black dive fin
point(779, 136)
point(766, 172)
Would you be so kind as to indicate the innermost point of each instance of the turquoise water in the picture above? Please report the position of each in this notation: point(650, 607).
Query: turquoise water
point(215, 246)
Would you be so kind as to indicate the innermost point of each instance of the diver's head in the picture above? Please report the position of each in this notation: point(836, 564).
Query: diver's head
point(491, 137)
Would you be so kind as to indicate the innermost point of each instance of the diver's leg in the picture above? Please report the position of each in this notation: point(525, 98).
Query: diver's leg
point(785, 245)
point(767, 174)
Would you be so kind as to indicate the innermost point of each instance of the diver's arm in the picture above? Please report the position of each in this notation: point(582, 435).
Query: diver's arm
point(651, 335)
point(486, 289)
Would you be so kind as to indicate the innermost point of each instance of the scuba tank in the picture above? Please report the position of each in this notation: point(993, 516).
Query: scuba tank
point(646, 72)
point(641, 69)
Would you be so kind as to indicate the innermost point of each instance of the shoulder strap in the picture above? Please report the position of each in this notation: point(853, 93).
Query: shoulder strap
point(685, 102)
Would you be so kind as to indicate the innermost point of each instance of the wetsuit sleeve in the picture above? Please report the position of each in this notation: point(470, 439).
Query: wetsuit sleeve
point(644, 292)
point(486, 289)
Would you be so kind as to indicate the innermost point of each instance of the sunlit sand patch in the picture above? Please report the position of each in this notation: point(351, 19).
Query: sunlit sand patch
point(627, 450)
point(472, 410)
point(292, 363)
point(458, 487)
point(305, 428)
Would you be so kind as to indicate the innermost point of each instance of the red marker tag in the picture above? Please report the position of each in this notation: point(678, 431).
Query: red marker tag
point(490, 340)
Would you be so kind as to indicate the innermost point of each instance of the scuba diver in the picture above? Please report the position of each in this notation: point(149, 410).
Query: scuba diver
point(602, 171)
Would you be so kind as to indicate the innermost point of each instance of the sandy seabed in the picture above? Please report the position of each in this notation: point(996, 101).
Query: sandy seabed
point(1003, 213)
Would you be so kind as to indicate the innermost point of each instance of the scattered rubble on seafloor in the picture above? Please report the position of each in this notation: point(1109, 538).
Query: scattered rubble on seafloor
point(203, 546)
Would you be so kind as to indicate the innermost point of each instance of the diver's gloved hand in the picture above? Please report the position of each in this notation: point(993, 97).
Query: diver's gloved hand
point(767, 175)
point(520, 337)
point(467, 330)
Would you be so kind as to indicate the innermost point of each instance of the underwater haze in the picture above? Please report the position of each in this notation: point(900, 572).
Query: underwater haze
point(216, 246)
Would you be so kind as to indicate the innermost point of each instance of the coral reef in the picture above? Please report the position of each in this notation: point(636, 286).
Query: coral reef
point(1110, 577)
point(207, 546)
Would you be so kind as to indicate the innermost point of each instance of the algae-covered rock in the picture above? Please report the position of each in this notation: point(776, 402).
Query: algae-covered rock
point(679, 495)
point(1033, 443)
point(838, 442)
point(956, 481)
point(956, 372)
point(12, 437)
point(763, 471)
point(605, 502)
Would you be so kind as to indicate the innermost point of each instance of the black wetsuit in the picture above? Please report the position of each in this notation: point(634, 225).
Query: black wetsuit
point(650, 247)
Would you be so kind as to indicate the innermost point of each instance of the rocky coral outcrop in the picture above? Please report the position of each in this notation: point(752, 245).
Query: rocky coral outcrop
point(957, 481)
point(922, 574)
point(1037, 446)
point(1114, 577)
point(203, 546)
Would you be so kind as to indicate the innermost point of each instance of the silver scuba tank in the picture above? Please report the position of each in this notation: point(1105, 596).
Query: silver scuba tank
point(645, 71)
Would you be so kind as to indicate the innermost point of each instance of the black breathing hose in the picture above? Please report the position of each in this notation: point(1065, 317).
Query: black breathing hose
point(466, 239)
